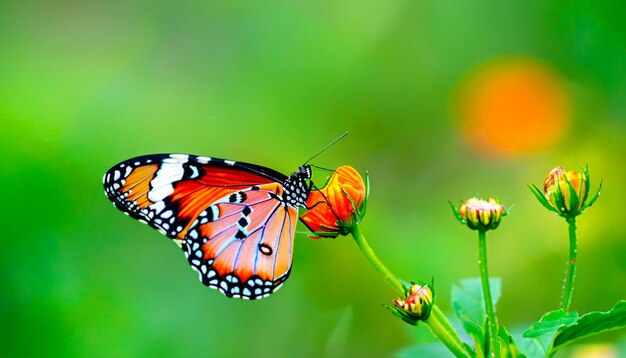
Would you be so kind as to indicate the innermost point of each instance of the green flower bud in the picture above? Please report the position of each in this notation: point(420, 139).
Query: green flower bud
point(416, 305)
point(566, 192)
point(479, 214)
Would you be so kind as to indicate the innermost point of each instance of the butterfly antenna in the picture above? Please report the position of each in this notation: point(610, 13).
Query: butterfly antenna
point(326, 147)
point(322, 168)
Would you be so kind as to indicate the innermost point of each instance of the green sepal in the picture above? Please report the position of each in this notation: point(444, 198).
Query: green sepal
point(402, 314)
point(593, 198)
point(326, 235)
point(586, 182)
point(405, 284)
point(508, 211)
point(456, 213)
point(367, 191)
point(558, 199)
point(572, 210)
point(541, 198)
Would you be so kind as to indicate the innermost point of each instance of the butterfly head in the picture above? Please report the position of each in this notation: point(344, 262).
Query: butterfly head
point(305, 171)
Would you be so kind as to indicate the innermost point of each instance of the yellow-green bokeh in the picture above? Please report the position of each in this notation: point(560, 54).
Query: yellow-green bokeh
point(84, 85)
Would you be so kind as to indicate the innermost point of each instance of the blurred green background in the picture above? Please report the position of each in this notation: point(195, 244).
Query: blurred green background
point(442, 99)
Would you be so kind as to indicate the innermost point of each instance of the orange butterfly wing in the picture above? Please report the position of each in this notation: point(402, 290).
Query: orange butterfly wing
point(234, 221)
point(242, 245)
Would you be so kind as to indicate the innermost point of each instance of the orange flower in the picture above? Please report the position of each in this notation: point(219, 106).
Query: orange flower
point(339, 206)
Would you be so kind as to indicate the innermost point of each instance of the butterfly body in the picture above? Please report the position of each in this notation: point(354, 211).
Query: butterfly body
point(234, 221)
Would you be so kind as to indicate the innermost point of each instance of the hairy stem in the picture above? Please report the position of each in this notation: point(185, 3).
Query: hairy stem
point(570, 272)
point(437, 322)
point(442, 329)
point(366, 249)
point(484, 276)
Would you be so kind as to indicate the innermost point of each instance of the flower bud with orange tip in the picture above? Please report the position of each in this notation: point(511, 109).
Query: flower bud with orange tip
point(566, 192)
point(339, 206)
point(416, 305)
point(479, 214)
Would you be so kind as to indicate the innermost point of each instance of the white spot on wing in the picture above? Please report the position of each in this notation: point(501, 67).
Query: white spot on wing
point(170, 172)
point(181, 157)
point(203, 160)
point(194, 173)
point(161, 192)
point(158, 206)
point(216, 212)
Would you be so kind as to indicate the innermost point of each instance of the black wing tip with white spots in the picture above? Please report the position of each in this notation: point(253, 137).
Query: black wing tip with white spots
point(158, 217)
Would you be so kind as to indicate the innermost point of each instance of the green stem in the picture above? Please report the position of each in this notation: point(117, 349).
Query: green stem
point(437, 322)
point(366, 249)
point(442, 329)
point(484, 276)
point(570, 272)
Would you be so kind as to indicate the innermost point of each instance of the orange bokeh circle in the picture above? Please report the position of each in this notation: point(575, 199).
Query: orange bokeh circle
point(513, 106)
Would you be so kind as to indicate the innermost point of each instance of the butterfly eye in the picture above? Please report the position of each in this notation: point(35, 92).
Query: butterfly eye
point(265, 249)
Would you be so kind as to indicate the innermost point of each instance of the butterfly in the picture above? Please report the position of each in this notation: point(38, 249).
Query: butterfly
point(234, 221)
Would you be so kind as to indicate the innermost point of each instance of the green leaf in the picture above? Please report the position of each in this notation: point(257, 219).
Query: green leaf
point(544, 330)
point(590, 324)
point(541, 198)
point(478, 336)
point(424, 350)
point(530, 347)
point(467, 299)
point(469, 306)
point(507, 348)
